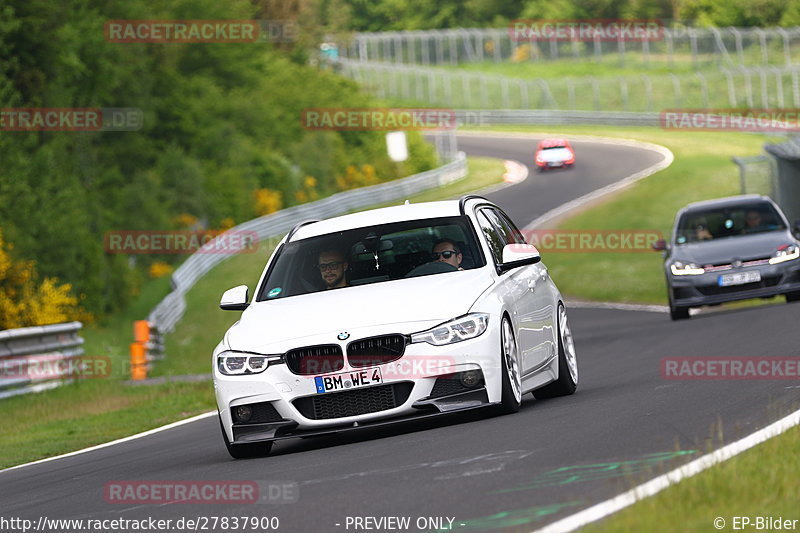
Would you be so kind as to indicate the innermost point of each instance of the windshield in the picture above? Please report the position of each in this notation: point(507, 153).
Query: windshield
point(710, 224)
point(372, 255)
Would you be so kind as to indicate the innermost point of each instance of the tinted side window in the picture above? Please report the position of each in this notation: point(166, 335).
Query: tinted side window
point(508, 233)
point(493, 236)
point(513, 235)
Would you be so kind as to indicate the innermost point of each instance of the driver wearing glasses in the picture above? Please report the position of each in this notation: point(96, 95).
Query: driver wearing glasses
point(332, 267)
point(446, 251)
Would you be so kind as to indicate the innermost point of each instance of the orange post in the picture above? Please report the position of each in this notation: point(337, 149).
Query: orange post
point(138, 361)
point(141, 331)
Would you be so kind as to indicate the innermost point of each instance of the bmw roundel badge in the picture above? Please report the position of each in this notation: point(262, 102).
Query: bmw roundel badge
point(343, 336)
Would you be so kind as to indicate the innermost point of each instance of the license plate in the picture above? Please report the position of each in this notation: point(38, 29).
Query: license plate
point(739, 278)
point(348, 380)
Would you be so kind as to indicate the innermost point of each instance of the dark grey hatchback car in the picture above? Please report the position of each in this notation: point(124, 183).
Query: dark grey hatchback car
point(730, 249)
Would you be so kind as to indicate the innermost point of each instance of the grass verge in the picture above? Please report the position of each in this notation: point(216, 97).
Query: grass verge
point(761, 482)
point(91, 412)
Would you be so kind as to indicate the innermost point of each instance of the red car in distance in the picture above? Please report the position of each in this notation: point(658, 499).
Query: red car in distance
point(554, 153)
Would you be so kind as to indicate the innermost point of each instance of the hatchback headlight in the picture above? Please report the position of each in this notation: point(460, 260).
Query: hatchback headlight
point(232, 363)
point(787, 252)
point(679, 268)
point(457, 330)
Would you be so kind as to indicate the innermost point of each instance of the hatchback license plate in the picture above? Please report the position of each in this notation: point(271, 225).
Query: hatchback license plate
point(348, 380)
point(739, 278)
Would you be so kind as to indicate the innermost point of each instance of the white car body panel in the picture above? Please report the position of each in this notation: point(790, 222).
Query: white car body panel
point(525, 294)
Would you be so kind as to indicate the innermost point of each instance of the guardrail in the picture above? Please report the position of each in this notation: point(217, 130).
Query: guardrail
point(169, 311)
point(31, 359)
point(487, 117)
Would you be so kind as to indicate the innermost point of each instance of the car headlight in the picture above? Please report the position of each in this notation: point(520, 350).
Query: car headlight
point(232, 363)
point(787, 252)
point(679, 268)
point(456, 330)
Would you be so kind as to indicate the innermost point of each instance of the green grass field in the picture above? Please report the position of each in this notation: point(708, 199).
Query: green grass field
point(94, 411)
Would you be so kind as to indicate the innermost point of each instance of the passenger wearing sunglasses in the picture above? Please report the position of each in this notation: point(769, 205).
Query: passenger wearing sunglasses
point(446, 251)
point(332, 267)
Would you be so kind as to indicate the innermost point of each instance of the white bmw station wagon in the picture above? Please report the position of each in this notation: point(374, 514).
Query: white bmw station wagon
point(390, 315)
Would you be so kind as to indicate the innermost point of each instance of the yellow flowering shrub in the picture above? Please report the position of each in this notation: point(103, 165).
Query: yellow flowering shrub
point(160, 269)
point(521, 53)
point(267, 201)
point(185, 220)
point(357, 177)
point(26, 302)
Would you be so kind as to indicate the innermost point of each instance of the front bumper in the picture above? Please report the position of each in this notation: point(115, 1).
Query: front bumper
point(703, 289)
point(294, 405)
point(426, 408)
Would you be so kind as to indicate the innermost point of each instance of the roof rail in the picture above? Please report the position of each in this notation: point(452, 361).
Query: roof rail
point(298, 226)
point(464, 199)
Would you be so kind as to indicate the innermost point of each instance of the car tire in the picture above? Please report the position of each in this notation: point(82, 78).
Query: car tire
point(245, 451)
point(511, 398)
point(567, 380)
point(792, 297)
point(678, 313)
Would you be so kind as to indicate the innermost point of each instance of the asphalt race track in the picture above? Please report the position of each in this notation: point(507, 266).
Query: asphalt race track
point(512, 473)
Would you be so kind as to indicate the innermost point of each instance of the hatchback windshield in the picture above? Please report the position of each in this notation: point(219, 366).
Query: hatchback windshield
point(372, 255)
point(708, 224)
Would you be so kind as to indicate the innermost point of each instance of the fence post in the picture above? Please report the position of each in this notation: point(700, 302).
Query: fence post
point(670, 51)
point(648, 92)
point(779, 84)
point(731, 87)
point(737, 35)
point(141, 336)
point(693, 44)
point(787, 53)
point(676, 87)
point(623, 90)
point(764, 90)
point(523, 94)
point(703, 88)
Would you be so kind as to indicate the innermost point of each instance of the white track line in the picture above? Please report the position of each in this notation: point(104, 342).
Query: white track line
point(656, 485)
point(581, 304)
point(118, 441)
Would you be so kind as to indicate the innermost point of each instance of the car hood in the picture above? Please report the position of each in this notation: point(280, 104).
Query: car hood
point(277, 325)
point(744, 248)
point(555, 154)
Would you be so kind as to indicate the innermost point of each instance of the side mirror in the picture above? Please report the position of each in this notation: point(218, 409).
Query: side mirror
point(517, 255)
point(660, 245)
point(234, 299)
